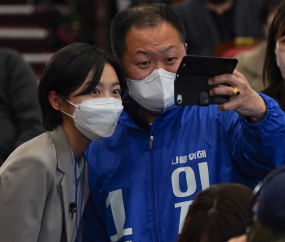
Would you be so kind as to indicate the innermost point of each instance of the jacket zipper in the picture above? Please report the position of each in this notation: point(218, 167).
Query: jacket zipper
point(153, 188)
point(150, 142)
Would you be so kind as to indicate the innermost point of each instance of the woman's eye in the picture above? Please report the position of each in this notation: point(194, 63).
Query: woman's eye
point(95, 91)
point(117, 91)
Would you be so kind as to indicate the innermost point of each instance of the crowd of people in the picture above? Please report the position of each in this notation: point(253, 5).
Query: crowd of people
point(119, 161)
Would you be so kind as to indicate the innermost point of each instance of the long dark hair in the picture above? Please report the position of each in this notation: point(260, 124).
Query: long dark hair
point(272, 77)
point(217, 214)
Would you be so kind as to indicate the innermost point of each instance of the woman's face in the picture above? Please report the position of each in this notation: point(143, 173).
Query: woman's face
point(280, 45)
point(280, 55)
point(109, 86)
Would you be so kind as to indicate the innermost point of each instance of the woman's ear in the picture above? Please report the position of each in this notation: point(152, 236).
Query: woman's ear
point(55, 100)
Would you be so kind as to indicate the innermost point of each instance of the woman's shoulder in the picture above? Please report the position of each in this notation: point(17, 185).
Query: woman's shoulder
point(38, 152)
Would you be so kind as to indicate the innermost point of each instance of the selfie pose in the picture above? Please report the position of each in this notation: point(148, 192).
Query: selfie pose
point(44, 183)
point(144, 177)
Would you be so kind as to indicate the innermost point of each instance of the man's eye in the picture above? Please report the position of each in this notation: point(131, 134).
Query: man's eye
point(117, 91)
point(170, 59)
point(144, 63)
point(95, 91)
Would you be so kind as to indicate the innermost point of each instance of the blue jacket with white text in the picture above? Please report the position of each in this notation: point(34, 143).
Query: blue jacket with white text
point(142, 180)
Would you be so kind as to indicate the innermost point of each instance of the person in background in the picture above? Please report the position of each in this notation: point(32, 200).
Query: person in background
point(44, 182)
point(251, 62)
point(268, 206)
point(211, 22)
point(217, 214)
point(19, 108)
point(267, 210)
point(274, 66)
point(144, 177)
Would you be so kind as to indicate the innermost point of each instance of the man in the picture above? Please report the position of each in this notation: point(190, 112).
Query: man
point(211, 22)
point(146, 175)
point(19, 109)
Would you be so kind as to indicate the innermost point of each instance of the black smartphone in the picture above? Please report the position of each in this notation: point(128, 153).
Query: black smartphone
point(191, 83)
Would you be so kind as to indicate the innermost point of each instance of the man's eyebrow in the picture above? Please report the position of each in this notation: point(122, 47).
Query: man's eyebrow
point(144, 52)
point(167, 48)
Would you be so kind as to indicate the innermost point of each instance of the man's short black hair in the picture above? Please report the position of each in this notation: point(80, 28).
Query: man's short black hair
point(142, 16)
point(67, 71)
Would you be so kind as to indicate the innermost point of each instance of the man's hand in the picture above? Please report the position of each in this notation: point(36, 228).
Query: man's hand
point(238, 239)
point(248, 103)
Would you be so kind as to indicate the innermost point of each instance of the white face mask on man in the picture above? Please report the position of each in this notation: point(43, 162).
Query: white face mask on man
point(280, 58)
point(155, 92)
point(97, 118)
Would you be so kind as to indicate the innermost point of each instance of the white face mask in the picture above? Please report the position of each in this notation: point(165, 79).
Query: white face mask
point(155, 92)
point(280, 58)
point(97, 118)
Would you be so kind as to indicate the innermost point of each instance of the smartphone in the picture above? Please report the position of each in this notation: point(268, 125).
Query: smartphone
point(191, 83)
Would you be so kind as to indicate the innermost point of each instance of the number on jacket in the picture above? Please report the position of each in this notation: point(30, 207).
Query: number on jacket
point(115, 200)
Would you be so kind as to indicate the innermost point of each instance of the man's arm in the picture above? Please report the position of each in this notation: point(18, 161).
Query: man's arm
point(256, 149)
point(22, 97)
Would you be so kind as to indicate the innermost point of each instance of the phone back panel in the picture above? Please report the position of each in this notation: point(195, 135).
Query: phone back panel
point(191, 84)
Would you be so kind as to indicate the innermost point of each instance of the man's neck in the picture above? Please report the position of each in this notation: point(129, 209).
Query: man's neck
point(148, 115)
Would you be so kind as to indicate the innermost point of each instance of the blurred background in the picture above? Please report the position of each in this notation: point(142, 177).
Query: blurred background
point(37, 28)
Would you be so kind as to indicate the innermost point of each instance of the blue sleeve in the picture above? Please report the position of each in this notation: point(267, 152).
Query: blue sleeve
point(256, 149)
point(94, 229)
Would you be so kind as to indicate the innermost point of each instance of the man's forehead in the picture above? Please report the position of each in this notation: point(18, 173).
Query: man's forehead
point(160, 38)
point(149, 51)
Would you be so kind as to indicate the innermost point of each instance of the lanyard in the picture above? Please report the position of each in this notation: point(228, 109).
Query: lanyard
point(82, 193)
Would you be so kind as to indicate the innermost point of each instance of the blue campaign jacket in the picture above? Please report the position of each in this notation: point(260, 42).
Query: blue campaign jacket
point(141, 189)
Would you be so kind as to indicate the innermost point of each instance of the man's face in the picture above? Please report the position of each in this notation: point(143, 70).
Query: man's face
point(152, 48)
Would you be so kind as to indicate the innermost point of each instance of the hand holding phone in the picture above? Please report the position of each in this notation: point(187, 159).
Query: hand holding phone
point(191, 84)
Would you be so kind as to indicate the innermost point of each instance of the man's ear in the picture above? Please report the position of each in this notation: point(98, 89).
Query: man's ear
point(185, 47)
point(55, 100)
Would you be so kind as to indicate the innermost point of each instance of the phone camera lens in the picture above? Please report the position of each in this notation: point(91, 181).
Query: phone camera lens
point(179, 99)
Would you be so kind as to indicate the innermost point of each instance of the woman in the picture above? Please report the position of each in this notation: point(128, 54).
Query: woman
point(44, 183)
point(274, 66)
point(217, 214)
